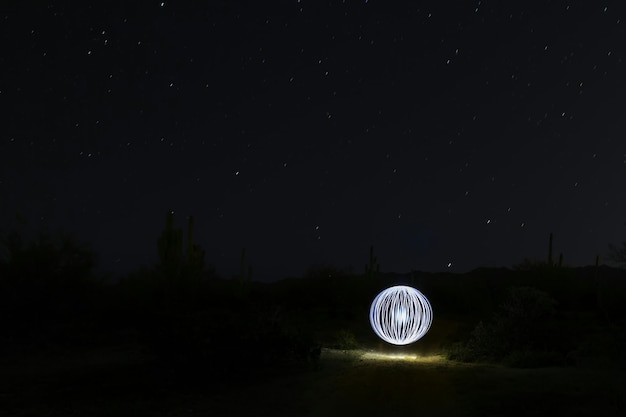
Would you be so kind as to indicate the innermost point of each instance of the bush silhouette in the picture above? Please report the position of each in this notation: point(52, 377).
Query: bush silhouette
point(520, 333)
point(45, 285)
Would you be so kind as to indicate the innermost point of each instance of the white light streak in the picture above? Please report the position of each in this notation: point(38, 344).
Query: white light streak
point(401, 315)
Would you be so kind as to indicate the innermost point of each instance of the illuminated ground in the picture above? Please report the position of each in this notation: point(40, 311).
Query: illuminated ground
point(368, 383)
point(351, 383)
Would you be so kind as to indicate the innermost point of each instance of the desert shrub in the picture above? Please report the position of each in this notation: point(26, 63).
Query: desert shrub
point(227, 343)
point(533, 359)
point(604, 347)
point(520, 333)
point(459, 351)
point(47, 290)
point(283, 347)
point(344, 340)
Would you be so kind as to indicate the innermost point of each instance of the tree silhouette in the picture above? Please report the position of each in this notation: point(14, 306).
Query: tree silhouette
point(46, 261)
point(44, 282)
point(617, 254)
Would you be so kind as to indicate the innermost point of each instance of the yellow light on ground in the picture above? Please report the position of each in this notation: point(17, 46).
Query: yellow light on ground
point(402, 357)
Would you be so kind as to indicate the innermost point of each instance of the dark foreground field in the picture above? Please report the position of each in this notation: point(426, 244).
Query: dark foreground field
point(125, 382)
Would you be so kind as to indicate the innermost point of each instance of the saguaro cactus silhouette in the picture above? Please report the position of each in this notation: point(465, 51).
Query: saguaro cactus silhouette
point(244, 279)
point(170, 247)
point(550, 262)
point(195, 254)
point(373, 268)
point(242, 266)
point(173, 262)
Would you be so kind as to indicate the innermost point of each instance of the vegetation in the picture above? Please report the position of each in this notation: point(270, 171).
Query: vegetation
point(523, 332)
point(617, 254)
point(190, 324)
point(372, 269)
point(47, 290)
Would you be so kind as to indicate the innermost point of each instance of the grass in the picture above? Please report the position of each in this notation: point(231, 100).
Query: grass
point(122, 382)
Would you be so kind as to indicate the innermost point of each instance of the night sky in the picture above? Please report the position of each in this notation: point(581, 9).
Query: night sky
point(448, 134)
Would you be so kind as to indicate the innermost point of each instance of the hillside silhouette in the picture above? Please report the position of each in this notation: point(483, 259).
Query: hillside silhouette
point(181, 319)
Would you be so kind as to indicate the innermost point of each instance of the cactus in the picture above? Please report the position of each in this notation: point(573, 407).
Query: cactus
point(600, 290)
point(550, 263)
point(370, 270)
point(190, 237)
point(243, 277)
point(172, 260)
point(170, 247)
point(242, 266)
point(560, 259)
point(195, 254)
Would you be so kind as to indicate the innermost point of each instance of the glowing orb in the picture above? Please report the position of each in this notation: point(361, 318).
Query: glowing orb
point(401, 315)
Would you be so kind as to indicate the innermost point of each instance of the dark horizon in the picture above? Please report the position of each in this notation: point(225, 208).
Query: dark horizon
point(232, 270)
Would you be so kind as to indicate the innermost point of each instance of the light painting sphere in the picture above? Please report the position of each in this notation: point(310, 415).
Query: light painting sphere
point(401, 315)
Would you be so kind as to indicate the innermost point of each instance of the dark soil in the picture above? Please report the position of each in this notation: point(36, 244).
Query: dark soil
point(125, 382)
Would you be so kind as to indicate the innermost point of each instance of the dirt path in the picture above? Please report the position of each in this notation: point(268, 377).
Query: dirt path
point(385, 386)
point(359, 384)
point(356, 383)
point(367, 384)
